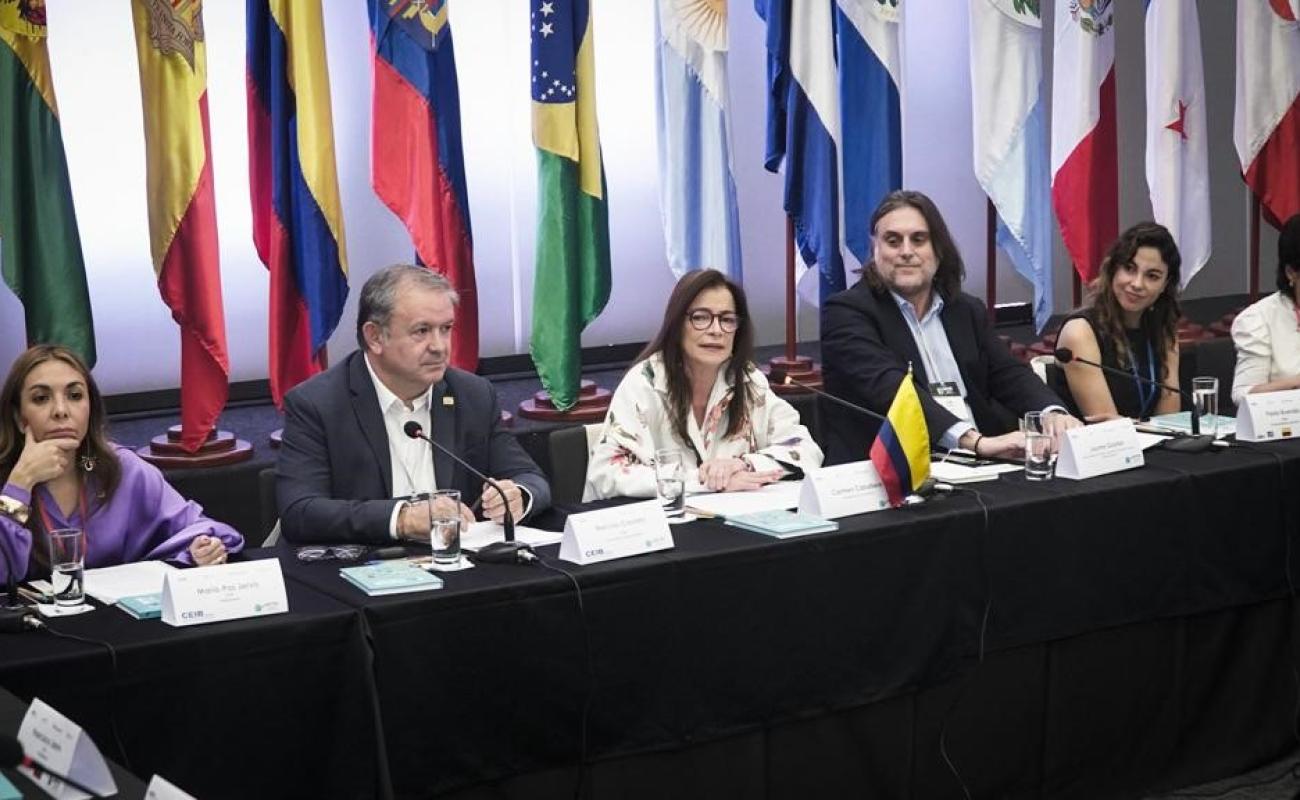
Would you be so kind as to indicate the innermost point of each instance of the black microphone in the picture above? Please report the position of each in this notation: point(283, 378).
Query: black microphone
point(12, 603)
point(19, 621)
point(12, 755)
point(1196, 443)
point(509, 551)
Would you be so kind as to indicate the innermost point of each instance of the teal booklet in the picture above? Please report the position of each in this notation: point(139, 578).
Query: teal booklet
point(142, 606)
point(390, 577)
point(782, 524)
point(8, 791)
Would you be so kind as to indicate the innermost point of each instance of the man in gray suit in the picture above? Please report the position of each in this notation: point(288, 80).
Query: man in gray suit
point(347, 472)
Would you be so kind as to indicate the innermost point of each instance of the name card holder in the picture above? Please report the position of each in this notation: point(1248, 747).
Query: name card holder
point(223, 592)
point(1269, 416)
point(60, 745)
point(842, 490)
point(618, 532)
point(1099, 449)
point(160, 788)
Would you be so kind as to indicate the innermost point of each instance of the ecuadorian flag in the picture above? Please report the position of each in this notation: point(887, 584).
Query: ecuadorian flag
point(297, 216)
point(901, 451)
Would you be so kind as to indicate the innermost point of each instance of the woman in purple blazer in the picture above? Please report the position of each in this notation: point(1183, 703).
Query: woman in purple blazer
point(59, 470)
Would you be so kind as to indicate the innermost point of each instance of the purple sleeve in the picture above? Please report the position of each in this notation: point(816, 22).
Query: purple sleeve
point(15, 539)
point(165, 522)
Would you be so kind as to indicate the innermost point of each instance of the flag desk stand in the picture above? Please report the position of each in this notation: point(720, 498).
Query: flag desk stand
point(220, 449)
point(593, 402)
point(800, 368)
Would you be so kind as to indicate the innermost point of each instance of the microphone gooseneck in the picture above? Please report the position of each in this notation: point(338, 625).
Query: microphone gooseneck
point(834, 399)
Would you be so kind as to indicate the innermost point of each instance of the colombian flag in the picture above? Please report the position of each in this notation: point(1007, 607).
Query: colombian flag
point(901, 451)
point(297, 217)
point(417, 166)
point(182, 210)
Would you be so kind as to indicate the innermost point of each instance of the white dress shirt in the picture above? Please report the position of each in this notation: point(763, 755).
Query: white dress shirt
point(1267, 336)
point(412, 461)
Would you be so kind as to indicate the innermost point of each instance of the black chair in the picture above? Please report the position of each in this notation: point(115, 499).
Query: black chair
point(568, 464)
point(270, 511)
point(1217, 358)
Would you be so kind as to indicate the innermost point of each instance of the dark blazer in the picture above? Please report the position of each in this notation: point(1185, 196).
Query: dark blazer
point(866, 346)
point(334, 475)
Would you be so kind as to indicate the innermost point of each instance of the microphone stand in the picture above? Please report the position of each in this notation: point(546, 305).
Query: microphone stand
point(1195, 443)
point(12, 601)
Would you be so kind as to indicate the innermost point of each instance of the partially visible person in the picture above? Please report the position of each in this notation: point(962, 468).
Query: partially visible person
point(59, 470)
point(908, 309)
point(695, 389)
point(1267, 334)
point(1130, 324)
point(347, 471)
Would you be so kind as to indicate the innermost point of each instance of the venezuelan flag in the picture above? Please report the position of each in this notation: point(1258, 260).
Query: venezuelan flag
point(40, 248)
point(901, 451)
point(417, 165)
point(182, 208)
point(297, 216)
point(573, 266)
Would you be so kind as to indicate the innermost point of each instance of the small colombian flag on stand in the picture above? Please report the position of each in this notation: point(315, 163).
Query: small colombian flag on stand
point(901, 451)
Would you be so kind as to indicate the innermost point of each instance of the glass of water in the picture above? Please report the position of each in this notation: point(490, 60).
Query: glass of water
point(444, 526)
point(1040, 454)
point(68, 566)
point(1205, 404)
point(670, 483)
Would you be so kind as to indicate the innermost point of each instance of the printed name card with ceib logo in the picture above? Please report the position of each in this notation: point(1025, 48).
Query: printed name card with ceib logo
point(1100, 449)
point(160, 788)
point(842, 490)
point(618, 532)
point(223, 592)
point(58, 744)
point(1269, 416)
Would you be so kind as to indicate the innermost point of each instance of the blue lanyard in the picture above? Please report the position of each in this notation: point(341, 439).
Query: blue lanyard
point(1146, 391)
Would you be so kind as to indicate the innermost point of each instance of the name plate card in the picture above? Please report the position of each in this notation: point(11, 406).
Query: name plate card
point(60, 745)
point(1269, 416)
point(1099, 449)
point(160, 788)
point(223, 592)
point(842, 490)
point(618, 532)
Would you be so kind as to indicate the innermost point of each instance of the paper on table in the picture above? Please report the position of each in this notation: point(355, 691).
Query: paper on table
point(1148, 440)
point(772, 497)
point(1181, 422)
point(485, 532)
point(110, 584)
point(950, 472)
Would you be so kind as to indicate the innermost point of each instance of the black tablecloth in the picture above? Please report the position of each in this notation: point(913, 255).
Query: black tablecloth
point(278, 706)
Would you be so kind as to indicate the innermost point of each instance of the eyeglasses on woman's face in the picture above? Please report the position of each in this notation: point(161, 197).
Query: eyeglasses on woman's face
point(702, 319)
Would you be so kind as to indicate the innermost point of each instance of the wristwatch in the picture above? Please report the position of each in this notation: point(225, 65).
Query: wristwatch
point(14, 509)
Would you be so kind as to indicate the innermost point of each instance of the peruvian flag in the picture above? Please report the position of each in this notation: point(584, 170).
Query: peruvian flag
point(1177, 163)
point(1266, 125)
point(1085, 167)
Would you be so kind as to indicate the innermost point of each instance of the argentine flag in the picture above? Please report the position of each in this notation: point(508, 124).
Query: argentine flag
point(1012, 155)
point(697, 193)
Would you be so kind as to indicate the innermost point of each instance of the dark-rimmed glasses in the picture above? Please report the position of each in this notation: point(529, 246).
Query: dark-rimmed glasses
point(701, 319)
point(342, 552)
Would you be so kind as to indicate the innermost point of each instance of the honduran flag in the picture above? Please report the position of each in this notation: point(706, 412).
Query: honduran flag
point(697, 191)
point(901, 451)
point(868, 35)
point(172, 57)
point(803, 129)
point(1009, 117)
point(1266, 124)
point(1177, 159)
point(1085, 165)
point(417, 165)
point(297, 217)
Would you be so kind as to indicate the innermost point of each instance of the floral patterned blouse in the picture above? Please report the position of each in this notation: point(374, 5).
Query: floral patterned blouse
point(638, 424)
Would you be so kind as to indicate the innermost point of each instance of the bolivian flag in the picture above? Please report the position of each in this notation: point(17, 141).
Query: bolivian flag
point(40, 249)
point(901, 451)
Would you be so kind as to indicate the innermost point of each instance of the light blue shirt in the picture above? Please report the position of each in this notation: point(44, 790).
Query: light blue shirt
point(936, 356)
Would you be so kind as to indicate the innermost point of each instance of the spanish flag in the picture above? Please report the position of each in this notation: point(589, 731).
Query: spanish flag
point(40, 248)
point(573, 275)
point(297, 216)
point(901, 451)
point(182, 210)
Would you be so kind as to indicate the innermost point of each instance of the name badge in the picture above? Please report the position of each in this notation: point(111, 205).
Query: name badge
point(618, 532)
point(946, 394)
point(60, 745)
point(1269, 416)
point(223, 592)
point(842, 490)
point(1099, 450)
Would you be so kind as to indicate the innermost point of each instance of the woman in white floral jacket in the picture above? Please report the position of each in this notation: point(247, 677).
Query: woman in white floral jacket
point(695, 389)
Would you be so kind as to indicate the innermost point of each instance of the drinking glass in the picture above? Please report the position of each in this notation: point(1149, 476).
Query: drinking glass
point(444, 526)
point(1040, 454)
point(1205, 404)
point(670, 483)
point(68, 566)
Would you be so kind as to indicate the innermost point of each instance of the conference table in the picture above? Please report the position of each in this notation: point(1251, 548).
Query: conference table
point(1100, 638)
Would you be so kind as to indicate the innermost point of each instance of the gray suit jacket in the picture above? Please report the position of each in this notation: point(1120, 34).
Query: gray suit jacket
point(334, 474)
